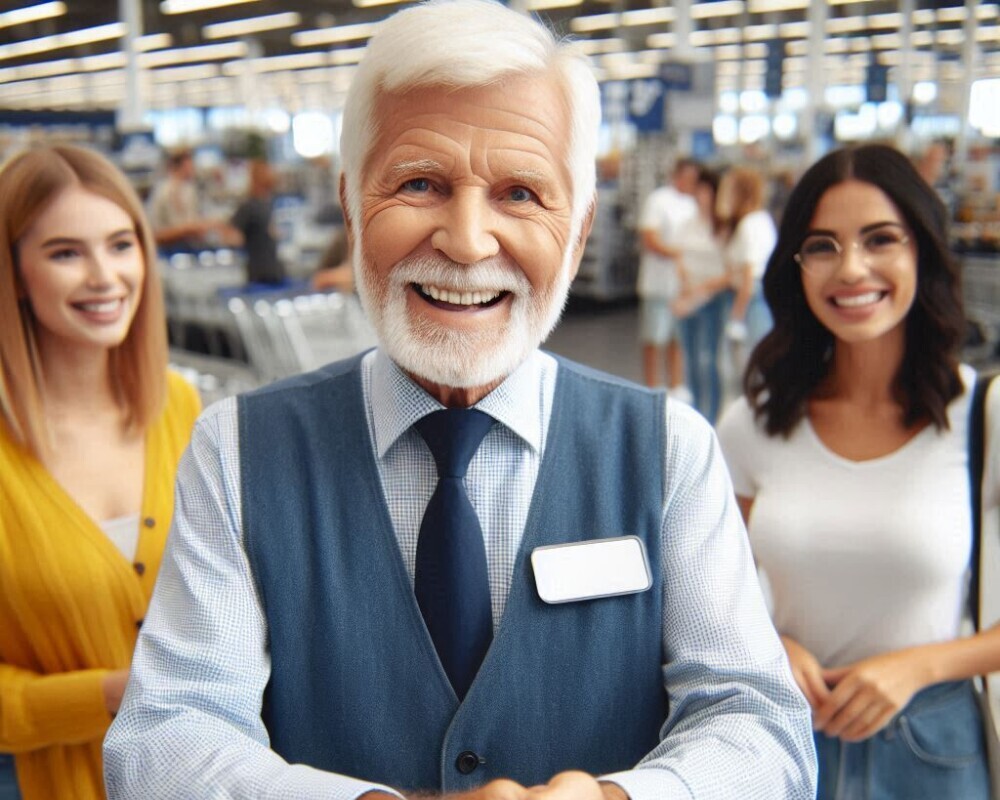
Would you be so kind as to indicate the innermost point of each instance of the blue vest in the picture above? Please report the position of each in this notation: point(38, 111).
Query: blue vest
point(356, 686)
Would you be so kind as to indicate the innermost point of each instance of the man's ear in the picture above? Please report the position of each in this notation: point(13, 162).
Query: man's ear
point(344, 207)
point(581, 242)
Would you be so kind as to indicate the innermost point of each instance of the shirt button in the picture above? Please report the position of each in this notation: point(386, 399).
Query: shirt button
point(139, 567)
point(149, 522)
point(138, 623)
point(467, 762)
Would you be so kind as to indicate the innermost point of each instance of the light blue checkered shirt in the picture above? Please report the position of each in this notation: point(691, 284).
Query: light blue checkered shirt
point(190, 724)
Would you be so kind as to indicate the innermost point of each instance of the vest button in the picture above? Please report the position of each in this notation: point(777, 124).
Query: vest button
point(467, 762)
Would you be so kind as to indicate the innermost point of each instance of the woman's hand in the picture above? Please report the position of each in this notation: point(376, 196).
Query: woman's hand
point(866, 695)
point(808, 674)
point(114, 688)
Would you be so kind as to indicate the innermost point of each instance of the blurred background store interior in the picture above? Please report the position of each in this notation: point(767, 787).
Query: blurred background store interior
point(771, 83)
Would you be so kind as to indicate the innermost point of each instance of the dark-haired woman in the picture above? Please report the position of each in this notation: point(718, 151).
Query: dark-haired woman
point(848, 456)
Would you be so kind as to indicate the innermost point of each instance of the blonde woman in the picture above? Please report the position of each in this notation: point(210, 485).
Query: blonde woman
point(91, 430)
point(752, 236)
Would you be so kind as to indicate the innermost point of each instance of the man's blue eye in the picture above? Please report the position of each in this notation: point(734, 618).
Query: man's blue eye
point(417, 185)
point(520, 195)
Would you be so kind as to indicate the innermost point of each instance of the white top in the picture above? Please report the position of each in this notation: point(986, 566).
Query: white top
point(702, 252)
point(665, 213)
point(124, 534)
point(752, 242)
point(861, 557)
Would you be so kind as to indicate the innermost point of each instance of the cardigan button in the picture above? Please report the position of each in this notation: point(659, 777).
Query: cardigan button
point(139, 568)
point(138, 623)
point(149, 522)
point(467, 762)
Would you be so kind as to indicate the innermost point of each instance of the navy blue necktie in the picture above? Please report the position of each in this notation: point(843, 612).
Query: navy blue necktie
point(451, 581)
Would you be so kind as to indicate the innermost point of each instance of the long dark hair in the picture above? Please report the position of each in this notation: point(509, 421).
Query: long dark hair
point(789, 363)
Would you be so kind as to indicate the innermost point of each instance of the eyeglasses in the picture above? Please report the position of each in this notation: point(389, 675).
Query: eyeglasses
point(821, 254)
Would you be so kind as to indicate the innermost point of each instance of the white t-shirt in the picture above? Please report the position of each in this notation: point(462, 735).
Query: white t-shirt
point(861, 557)
point(752, 242)
point(702, 252)
point(124, 534)
point(665, 213)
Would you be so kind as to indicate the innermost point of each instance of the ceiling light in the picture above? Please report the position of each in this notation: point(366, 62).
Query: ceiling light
point(951, 37)
point(153, 41)
point(661, 40)
point(101, 33)
point(341, 33)
point(729, 52)
point(702, 38)
point(205, 52)
point(593, 47)
point(759, 33)
point(278, 63)
point(648, 16)
point(764, 6)
point(923, 16)
point(347, 55)
point(894, 20)
point(716, 8)
point(846, 24)
point(187, 6)
point(31, 14)
point(543, 5)
point(242, 27)
point(794, 30)
point(191, 72)
point(728, 35)
point(954, 14)
point(757, 50)
point(593, 22)
point(922, 39)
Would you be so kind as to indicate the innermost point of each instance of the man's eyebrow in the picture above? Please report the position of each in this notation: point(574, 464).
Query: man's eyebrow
point(531, 176)
point(409, 167)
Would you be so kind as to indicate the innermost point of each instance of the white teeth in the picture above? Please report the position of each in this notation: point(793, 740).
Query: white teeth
point(100, 308)
point(459, 298)
point(858, 300)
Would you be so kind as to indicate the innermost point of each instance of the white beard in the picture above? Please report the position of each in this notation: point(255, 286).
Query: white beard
point(456, 358)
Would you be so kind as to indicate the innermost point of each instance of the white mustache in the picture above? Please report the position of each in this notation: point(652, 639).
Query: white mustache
point(492, 274)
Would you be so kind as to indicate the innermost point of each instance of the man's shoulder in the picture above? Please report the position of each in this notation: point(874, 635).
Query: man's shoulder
point(306, 382)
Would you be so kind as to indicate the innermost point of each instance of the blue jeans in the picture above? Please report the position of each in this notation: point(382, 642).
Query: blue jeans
point(8, 779)
point(701, 333)
point(932, 750)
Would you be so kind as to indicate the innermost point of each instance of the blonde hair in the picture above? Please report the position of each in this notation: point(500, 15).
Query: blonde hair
point(29, 182)
point(741, 191)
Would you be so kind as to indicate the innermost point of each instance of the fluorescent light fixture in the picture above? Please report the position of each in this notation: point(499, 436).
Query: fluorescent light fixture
point(923, 16)
point(951, 37)
point(101, 62)
point(716, 8)
point(757, 50)
point(243, 27)
point(661, 40)
point(860, 44)
point(31, 14)
point(764, 6)
point(187, 6)
point(625, 72)
point(887, 41)
point(153, 41)
point(702, 38)
point(278, 63)
point(347, 55)
point(954, 14)
point(182, 55)
point(794, 30)
point(543, 5)
point(593, 22)
point(648, 16)
point(100, 33)
point(729, 52)
point(191, 72)
point(341, 33)
point(593, 47)
point(988, 34)
point(728, 35)
point(894, 20)
point(987, 11)
point(799, 47)
point(922, 39)
point(846, 24)
point(760, 33)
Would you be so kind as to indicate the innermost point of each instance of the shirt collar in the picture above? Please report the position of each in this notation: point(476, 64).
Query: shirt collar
point(397, 402)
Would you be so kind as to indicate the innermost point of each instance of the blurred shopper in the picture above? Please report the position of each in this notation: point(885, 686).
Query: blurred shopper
point(849, 460)
point(751, 239)
point(253, 220)
point(175, 211)
point(702, 305)
point(662, 274)
point(335, 271)
point(92, 428)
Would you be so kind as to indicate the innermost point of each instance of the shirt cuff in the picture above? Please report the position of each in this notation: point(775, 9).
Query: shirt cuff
point(650, 783)
point(363, 789)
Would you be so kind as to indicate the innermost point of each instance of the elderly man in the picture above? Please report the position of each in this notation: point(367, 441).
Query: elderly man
point(457, 566)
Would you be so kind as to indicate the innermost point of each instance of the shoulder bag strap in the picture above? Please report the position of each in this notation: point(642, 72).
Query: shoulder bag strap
point(977, 454)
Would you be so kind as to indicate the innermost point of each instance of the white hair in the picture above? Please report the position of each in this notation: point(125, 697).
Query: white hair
point(458, 44)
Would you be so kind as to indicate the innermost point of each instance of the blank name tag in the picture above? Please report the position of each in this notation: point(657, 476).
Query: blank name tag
point(586, 570)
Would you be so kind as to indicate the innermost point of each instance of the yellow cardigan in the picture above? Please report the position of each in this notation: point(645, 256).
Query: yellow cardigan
point(70, 607)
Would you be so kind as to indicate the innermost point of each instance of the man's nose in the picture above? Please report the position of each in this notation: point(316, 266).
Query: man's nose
point(465, 231)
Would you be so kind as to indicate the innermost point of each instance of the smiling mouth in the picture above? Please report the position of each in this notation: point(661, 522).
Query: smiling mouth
point(452, 299)
point(99, 306)
point(858, 300)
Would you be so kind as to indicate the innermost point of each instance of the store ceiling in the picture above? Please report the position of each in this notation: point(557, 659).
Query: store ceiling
point(733, 33)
